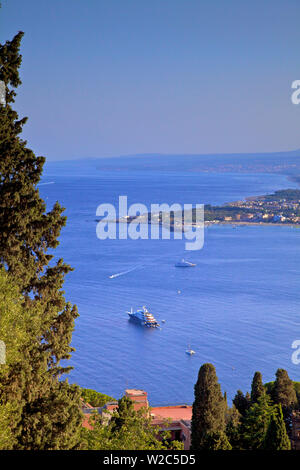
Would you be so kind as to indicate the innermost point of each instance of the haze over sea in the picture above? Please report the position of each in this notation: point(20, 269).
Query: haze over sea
point(238, 308)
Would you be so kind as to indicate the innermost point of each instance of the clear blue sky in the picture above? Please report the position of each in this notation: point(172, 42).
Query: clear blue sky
point(114, 77)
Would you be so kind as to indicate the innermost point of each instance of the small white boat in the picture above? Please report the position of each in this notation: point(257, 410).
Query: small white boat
point(190, 351)
point(184, 264)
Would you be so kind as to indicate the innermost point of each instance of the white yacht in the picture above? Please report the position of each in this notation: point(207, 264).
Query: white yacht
point(143, 317)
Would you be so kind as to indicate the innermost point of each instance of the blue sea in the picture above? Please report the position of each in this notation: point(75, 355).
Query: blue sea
point(238, 308)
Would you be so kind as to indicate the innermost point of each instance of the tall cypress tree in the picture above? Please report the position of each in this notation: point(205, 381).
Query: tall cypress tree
point(257, 388)
point(233, 423)
point(284, 394)
point(255, 424)
point(284, 391)
point(50, 416)
point(242, 402)
point(276, 436)
point(208, 408)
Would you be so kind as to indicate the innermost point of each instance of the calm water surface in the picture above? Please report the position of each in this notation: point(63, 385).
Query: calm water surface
point(238, 308)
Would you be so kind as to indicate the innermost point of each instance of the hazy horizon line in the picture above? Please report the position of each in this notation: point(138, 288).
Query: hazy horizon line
point(158, 154)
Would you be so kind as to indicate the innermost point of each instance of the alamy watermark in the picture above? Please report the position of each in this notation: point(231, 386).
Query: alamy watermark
point(139, 222)
point(296, 354)
point(2, 352)
point(295, 97)
point(2, 93)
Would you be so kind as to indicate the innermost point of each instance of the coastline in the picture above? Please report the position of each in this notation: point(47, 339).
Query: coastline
point(264, 224)
point(206, 223)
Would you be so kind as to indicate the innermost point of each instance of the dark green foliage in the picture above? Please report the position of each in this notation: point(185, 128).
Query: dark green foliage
point(233, 422)
point(242, 402)
point(125, 411)
point(284, 394)
point(49, 409)
point(15, 340)
point(287, 194)
point(208, 408)
point(216, 441)
point(10, 61)
point(94, 398)
point(220, 212)
point(257, 388)
point(284, 391)
point(53, 422)
point(255, 424)
point(276, 437)
point(297, 390)
point(297, 387)
point(269, 387)
point(126, 429)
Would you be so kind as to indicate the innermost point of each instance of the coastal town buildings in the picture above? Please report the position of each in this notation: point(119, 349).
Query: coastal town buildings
point(282, 207)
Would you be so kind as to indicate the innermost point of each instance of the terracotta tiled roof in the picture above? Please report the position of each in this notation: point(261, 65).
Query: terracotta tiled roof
point(85, 404)
point(173, 412)
point(135, 392)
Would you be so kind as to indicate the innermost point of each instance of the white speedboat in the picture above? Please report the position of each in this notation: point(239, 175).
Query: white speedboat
point(184, 264)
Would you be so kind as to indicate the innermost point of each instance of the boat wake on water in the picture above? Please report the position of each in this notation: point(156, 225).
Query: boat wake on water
point(183, 263)
point(112, 276)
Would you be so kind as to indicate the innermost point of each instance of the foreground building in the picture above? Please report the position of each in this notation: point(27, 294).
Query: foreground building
point(295, 438)
point(178, 416)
